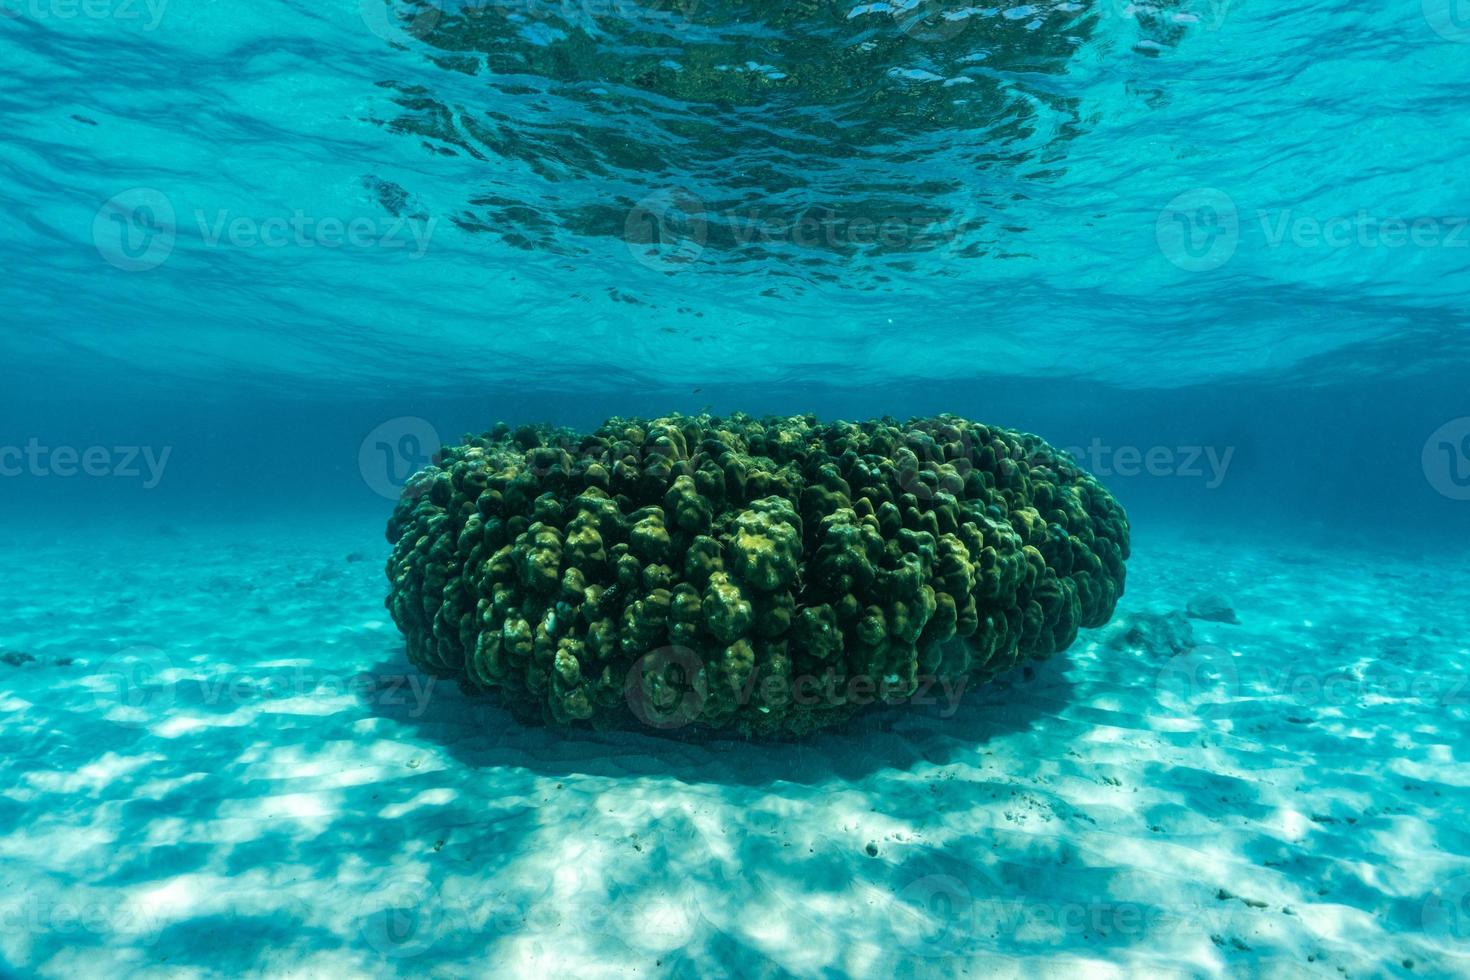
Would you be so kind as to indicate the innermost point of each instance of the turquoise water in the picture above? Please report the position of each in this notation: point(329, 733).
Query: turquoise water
point(1028, 166)
point(262, 261)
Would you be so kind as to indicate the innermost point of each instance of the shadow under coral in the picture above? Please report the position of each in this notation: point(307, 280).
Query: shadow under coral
point(480, 733)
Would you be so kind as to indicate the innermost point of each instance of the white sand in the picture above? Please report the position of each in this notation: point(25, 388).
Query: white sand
point(1296, 806)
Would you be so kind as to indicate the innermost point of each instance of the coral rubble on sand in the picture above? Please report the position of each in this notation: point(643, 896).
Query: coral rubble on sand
point(767, 576)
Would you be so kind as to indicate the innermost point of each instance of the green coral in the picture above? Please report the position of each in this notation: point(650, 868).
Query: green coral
point(766, 576)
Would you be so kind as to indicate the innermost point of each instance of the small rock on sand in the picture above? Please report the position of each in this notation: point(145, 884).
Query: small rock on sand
point(1161, 634)
point(1213, 607)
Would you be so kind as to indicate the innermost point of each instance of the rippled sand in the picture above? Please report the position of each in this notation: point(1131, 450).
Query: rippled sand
point(219, 762)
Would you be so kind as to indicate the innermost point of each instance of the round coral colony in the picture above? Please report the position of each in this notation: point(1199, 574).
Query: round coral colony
point(768, 577)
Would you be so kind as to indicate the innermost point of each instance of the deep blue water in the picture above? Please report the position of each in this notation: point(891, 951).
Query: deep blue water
point(1329, 463)
point(261, 260)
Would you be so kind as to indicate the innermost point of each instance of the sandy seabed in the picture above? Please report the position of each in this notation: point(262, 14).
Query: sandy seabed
point(215, 760)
